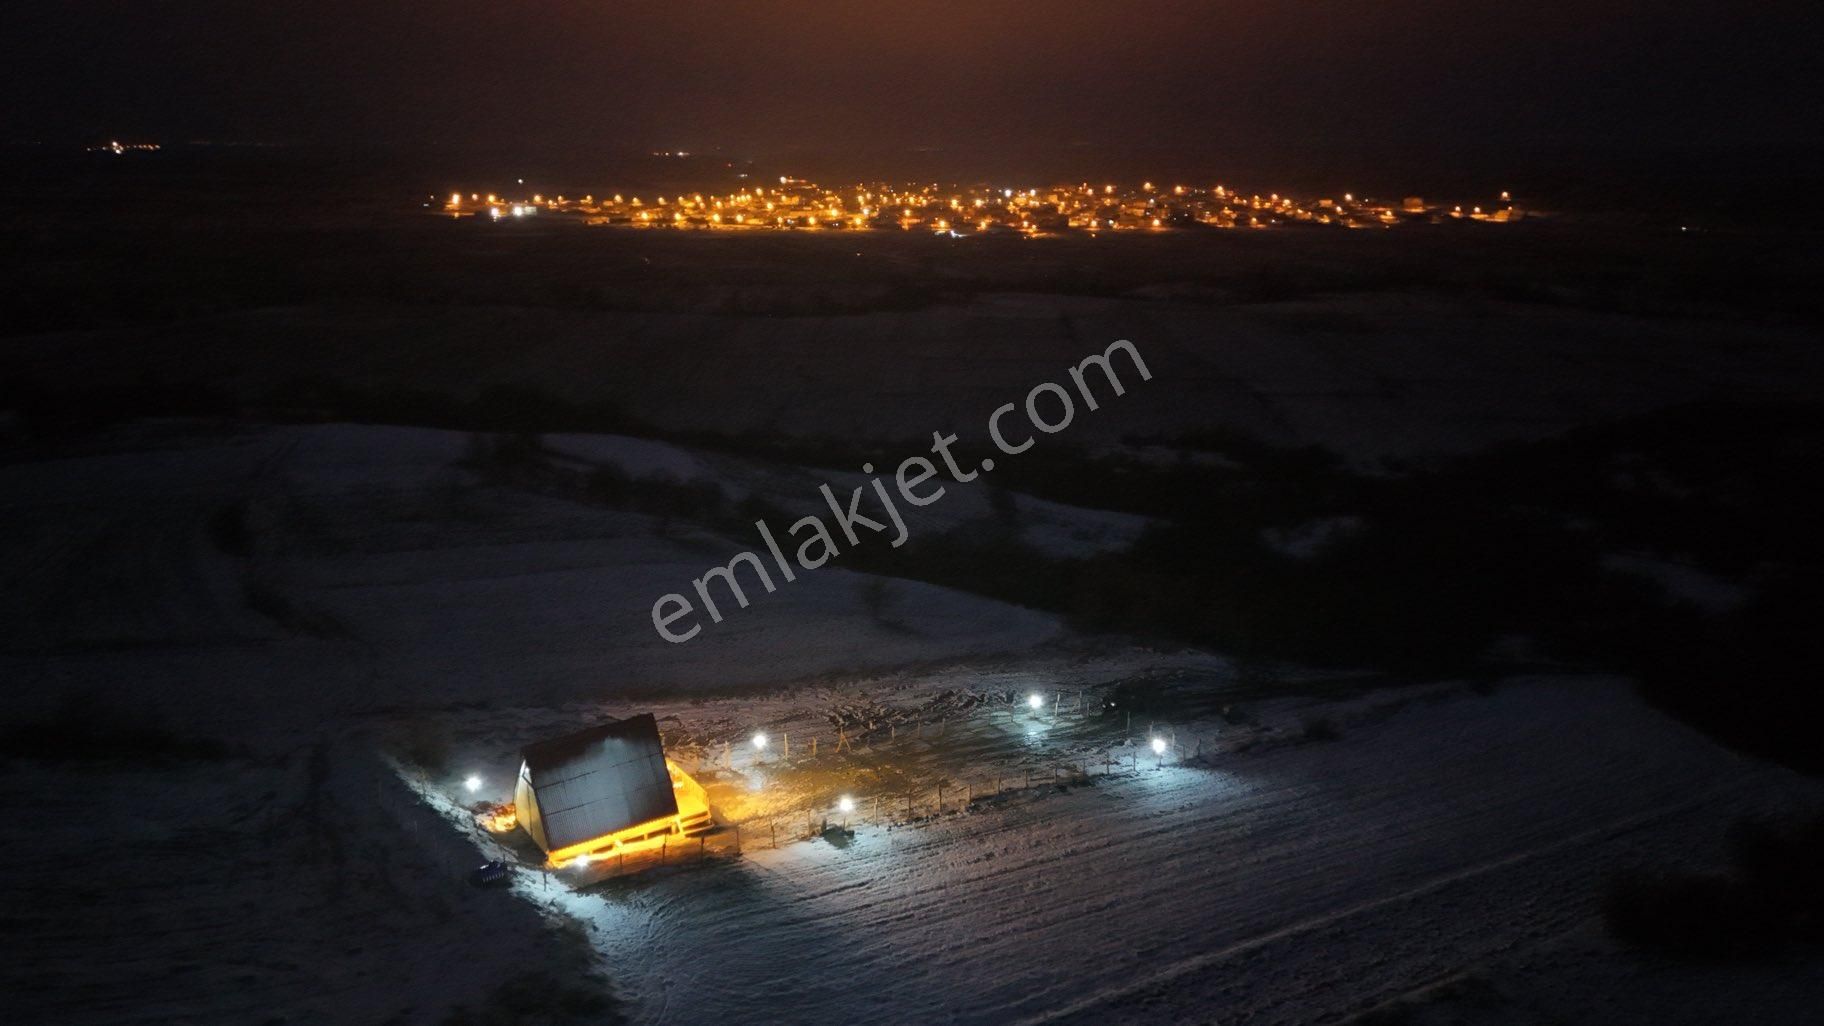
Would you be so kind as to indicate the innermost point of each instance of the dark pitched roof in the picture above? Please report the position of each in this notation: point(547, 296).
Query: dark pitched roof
point(639, 730)
point(597, 781)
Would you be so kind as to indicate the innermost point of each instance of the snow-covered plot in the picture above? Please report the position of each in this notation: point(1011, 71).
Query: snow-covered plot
point(301, 886)
point(1447, 842)
point(1462, 836)
point(1051, 527)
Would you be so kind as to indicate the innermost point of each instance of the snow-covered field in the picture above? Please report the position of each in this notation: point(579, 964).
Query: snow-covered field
point(1442, 857)
point(289, 877)
point(1449, 843)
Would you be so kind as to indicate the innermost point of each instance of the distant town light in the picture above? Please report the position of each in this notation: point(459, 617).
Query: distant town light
point(473, 783)
point(760, 740)
point(845, 804)
point(1035, 701)
point(1158, 746)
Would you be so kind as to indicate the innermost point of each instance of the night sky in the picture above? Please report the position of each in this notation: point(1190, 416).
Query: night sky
point(1352, 75)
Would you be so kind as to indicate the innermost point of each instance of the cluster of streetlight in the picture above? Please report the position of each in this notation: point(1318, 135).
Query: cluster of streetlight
point(967, 209)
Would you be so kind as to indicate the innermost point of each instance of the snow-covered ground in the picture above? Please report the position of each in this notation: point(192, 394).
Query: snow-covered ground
point(1457, 837)
point(1053, 528)
point(1448, 847)
point(294, 879)
point(394, 565)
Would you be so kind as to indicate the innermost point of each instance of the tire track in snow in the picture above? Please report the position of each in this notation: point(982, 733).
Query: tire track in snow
point(1206, 959)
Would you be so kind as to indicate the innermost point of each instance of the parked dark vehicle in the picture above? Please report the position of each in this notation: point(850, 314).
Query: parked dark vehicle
point(493, 874)
point(1134, 697)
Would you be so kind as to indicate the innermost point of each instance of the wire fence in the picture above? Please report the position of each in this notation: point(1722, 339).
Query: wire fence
point(1079, 758)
